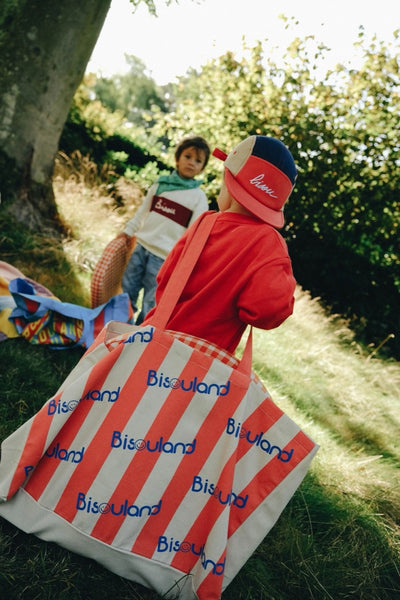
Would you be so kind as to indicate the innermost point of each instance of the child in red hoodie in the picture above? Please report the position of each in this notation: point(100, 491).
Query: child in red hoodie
point(244, 274)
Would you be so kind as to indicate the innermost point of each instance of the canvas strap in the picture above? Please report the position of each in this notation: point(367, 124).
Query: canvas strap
point(195, 242)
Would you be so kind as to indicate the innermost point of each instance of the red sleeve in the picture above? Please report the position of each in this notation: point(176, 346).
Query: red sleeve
point(267, 299)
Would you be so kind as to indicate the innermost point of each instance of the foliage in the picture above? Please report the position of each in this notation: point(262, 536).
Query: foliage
point(151, 5)
point(146, 176)
point(96, 131)
point(339, 537)
point(100, 121)
point(134, 94)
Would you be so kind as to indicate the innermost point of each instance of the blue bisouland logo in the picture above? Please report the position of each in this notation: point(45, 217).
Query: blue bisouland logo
point(64, 406)
point(201, 485)
point(125, 508)
point(124, 442)
point(140, 336)
point(28, 469)
point(239, 431)
point(68, 455)
point(194, 385)
point(172, 545)
point(74, 456)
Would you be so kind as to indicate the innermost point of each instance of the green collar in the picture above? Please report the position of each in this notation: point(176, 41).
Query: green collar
point(167, 183)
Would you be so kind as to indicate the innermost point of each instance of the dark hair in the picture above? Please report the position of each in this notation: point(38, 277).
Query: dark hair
point(193, 142)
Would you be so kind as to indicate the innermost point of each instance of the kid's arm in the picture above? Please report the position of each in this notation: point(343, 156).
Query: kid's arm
point(268, 299)
point(135, 224)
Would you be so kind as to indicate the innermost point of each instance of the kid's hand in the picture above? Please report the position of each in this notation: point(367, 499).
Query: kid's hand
point(130, 241)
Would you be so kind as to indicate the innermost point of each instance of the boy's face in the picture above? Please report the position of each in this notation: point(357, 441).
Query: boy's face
point(190, 163)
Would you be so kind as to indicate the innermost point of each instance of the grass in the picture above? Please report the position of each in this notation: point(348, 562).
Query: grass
point(339, 536)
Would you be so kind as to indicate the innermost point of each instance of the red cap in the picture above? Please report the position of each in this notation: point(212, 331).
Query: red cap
point(260, 174)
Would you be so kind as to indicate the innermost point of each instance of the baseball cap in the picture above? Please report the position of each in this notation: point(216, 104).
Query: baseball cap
point(260, 174)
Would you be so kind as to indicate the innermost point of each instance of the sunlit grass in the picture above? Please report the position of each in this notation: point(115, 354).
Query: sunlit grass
point(348, 402)
point(92, 213)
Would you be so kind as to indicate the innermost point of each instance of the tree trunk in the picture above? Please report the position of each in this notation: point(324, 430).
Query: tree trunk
point(45, 46)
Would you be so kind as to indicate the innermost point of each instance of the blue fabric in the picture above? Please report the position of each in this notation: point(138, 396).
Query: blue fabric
point(276, 153)
point(59, 319)
point(141, 273)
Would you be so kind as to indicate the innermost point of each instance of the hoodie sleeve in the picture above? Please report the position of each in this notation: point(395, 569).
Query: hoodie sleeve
point(268, 298)
point(136, 223)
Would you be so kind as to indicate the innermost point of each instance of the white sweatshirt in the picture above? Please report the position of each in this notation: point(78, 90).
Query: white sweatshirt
point(155, 222)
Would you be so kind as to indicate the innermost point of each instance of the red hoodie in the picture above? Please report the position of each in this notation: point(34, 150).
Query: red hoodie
point(243, 276)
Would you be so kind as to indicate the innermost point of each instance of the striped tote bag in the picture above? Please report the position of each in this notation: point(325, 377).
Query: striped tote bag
point(161, 456)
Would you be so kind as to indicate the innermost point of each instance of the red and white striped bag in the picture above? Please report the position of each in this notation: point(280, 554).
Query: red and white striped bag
point(162, 457)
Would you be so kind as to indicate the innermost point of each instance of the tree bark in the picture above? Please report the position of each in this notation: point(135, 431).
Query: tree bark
point(45, 46)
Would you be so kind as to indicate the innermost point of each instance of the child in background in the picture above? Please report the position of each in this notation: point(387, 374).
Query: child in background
point(244, 274)
point(171, 204)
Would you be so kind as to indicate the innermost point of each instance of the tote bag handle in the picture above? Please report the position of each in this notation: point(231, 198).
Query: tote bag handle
point(192, 249)
point(194, 245)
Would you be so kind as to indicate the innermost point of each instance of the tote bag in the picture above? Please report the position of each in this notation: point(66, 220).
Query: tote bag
point(161, 456)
